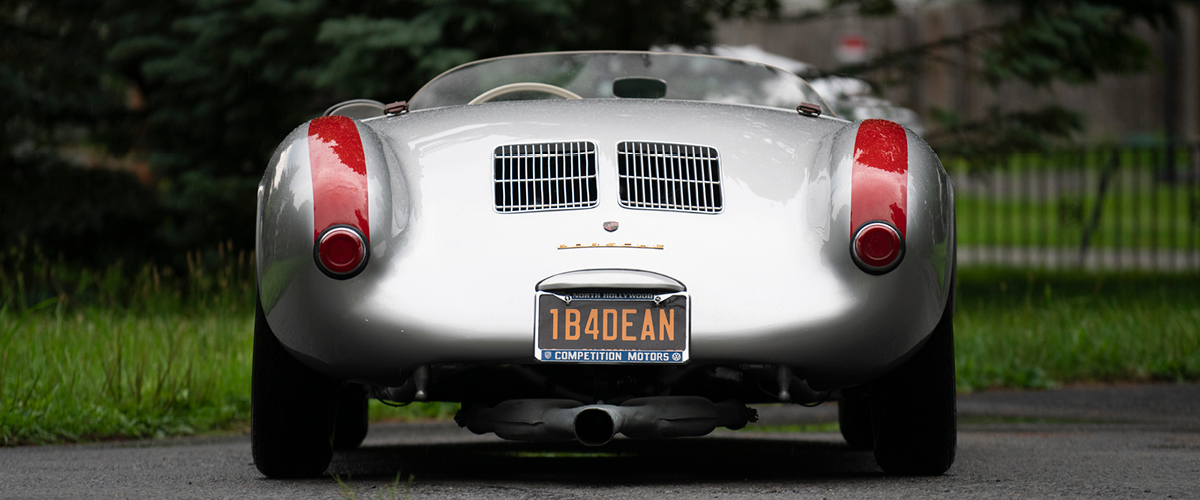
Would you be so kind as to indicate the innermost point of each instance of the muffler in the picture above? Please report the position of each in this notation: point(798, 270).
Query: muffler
point(595, 425)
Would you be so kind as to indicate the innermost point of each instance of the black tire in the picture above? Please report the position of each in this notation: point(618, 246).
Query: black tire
point(291, 410)
point(854, 419)
point(351, 426)
point(913, 409)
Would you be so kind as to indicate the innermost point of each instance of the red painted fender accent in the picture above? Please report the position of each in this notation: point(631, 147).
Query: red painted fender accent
point(879, 185)
point(339, 175)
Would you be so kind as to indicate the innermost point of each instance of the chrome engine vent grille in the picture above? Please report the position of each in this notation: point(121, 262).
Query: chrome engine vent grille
point(553, 176)
point(677, 177)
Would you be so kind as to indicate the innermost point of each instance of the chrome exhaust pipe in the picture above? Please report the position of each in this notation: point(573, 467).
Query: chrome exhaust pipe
point(596, 425)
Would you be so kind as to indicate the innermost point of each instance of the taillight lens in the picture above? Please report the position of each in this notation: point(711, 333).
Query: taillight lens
point(877, 247)
point(341, 252)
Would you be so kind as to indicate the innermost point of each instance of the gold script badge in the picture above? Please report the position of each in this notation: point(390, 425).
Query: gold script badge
point(611, 245)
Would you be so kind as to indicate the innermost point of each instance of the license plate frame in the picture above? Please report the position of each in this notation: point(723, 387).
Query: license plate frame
point(612, 327)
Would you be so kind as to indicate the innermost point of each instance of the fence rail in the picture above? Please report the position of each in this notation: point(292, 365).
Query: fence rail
point(1098, 208)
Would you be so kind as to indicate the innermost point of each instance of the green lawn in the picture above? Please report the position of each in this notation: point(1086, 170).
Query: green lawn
point(1047, 199)
point(1162, 217)
point(72, 374)
point(135, 354)
point(1039, 329)
point(119, 353)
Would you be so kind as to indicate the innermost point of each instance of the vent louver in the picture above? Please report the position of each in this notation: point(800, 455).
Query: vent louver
point(677, 177)
point(551, 176)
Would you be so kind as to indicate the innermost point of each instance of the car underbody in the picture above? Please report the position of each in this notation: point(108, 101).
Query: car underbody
point(597, 383)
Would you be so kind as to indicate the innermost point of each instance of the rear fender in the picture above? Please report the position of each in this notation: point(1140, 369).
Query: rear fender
point(330, 171)
point(914, 294)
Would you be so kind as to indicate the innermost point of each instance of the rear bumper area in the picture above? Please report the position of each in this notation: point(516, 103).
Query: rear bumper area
point(836, 332)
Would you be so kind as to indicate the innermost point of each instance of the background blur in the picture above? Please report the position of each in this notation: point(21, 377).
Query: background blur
point(1070, 127)
point(136, 131)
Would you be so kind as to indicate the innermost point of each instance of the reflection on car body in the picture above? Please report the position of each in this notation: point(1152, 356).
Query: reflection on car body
point(574, 262)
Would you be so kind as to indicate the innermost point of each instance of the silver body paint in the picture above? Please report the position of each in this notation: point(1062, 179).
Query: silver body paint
point(450, 280)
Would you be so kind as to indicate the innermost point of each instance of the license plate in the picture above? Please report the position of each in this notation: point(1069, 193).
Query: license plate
point(612, 327)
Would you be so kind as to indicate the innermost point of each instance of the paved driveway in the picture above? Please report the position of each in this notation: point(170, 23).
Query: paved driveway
point(1140, 441)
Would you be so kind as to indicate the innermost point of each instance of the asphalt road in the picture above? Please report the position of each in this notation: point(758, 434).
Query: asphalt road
point(1138, 441)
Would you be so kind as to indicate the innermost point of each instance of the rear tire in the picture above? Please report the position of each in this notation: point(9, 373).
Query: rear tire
point(291, 410)
point(913, 409)
point(854, 419)
point(351, 426)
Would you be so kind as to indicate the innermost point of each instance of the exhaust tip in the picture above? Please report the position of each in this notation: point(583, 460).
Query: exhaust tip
point(594, 427)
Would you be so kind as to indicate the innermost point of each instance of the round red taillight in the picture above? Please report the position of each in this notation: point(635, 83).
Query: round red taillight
point(877, 247)
point(341, 252)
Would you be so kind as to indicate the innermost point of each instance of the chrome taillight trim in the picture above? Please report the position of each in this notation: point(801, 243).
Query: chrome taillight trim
point(675, 177)
point(546, 176)
point(362, 259)
point(871, 268)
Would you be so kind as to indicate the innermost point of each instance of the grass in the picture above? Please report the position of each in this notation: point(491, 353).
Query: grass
point(91, 373)
point(1046, 199)
point(1040, 329)
point(148, 352)
point(1163, 220)
point(119, 353)
point(380, 412)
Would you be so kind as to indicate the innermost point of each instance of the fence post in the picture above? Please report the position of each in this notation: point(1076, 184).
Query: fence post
point(1094, 221)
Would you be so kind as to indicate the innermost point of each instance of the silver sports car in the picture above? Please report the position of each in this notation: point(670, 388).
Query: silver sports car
point(579, 245)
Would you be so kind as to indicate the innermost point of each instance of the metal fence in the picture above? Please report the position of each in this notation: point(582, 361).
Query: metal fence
point(1097, 208)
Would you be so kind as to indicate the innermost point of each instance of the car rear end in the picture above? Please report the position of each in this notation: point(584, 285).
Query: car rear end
point(624, 264)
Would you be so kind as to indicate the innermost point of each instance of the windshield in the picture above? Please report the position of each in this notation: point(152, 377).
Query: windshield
point(588, 75)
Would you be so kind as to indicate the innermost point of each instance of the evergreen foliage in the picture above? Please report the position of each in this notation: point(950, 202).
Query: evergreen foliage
point(217, 83)
point(202, 90)
point(63, 105)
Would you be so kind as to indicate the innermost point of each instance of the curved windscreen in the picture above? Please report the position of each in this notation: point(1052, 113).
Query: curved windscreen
point(689, 77)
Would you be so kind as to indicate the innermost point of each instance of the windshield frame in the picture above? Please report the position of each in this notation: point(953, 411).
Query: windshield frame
point(808, 93)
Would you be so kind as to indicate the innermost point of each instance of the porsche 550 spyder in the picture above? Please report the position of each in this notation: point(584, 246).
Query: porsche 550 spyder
point(581, 245)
